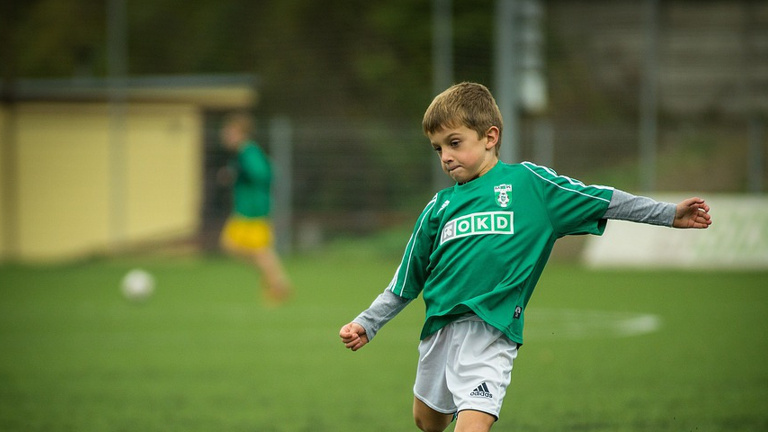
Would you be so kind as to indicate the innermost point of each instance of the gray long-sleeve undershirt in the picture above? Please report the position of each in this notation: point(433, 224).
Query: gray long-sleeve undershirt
point(385, 307)
point(623, 206)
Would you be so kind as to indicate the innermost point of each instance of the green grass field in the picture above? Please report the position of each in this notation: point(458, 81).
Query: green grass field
point(205, 354)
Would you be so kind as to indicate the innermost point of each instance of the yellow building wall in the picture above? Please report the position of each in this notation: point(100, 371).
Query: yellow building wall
point(164, 177)
point(83, 192)
point(63, 180)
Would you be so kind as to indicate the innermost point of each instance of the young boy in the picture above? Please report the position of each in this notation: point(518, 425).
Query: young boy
point(476, 253)
point(248, 231)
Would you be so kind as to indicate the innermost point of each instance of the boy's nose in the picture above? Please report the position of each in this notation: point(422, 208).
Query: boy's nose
point(446, 157)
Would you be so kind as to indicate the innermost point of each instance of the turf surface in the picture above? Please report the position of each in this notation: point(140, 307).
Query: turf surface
point(205, 353)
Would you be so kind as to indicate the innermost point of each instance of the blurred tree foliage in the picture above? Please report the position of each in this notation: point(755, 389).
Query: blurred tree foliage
point(334, 57)
point(367, 67)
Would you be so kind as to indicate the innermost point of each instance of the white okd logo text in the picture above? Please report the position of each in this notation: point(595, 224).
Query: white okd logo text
point(478, 224)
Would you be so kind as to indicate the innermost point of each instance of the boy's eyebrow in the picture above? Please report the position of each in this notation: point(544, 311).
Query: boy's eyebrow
point(448, 137)
point(454, 134)
point(436, 142)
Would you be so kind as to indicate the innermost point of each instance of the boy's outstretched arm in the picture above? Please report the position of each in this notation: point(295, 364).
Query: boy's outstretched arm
point(363, 328)
point(692, 213)
point(353, 336)
point(689, 213)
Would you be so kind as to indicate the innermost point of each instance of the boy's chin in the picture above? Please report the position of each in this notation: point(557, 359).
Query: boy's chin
point(454, 177)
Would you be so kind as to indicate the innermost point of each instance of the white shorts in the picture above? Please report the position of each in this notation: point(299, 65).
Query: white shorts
point(466, 365)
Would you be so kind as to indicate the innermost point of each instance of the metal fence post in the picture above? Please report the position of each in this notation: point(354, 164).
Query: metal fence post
point(649, 99)
point(281, 152)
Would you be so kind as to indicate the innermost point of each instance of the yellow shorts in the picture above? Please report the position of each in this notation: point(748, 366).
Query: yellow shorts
point(247, 233)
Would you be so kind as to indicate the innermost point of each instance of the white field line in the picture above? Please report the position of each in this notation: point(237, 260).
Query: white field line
point(587, 324)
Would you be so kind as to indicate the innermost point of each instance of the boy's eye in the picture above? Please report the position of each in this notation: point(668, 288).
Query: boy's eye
point(438, 149)
point(455, 143)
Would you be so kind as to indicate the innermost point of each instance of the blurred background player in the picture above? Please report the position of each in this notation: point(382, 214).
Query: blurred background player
point(248, 231)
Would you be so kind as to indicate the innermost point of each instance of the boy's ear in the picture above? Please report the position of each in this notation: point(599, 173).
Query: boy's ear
point(493, 137)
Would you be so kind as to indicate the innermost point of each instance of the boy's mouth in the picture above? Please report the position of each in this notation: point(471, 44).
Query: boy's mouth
point(454, 172)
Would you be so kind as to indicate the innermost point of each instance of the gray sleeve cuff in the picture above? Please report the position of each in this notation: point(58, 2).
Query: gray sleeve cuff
point(625, 206)
point(386, 306)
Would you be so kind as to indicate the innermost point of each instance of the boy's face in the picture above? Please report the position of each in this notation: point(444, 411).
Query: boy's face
point(463, 155)
point(231, 136)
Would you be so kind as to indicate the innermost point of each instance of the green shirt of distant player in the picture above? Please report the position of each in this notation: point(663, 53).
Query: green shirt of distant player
point(481, 246)
point(253, 182)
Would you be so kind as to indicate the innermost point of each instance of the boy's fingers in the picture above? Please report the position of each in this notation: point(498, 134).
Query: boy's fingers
point(351, 338)
point(355, 345)
point(346, 331)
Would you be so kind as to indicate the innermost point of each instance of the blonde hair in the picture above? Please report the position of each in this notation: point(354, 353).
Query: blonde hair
point(466, 104)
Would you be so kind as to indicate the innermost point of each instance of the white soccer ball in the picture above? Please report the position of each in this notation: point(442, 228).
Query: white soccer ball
point(137, 285)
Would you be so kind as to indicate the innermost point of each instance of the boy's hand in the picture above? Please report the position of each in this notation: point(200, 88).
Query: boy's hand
point(353, 336)
point(692, 213)
point(225, 176)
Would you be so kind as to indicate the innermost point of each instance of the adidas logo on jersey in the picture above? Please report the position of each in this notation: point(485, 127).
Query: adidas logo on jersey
point(481, 391)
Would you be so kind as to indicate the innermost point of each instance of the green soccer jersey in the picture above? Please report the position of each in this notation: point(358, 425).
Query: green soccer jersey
point(481, 246)
point(253, 182)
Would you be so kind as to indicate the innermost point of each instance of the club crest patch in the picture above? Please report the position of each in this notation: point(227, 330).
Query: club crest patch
point(502, 194)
